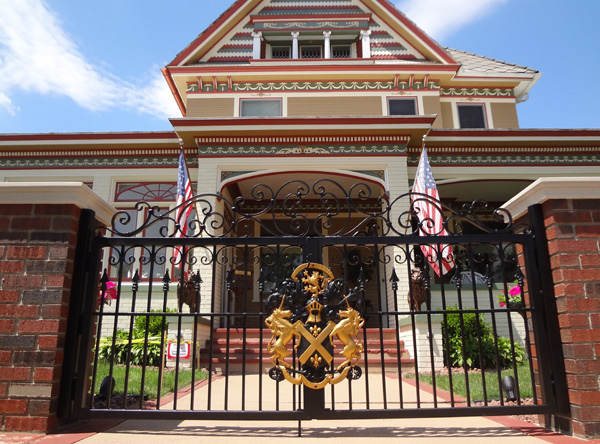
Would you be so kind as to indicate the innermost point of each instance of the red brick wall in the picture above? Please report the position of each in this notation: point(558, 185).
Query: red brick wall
point(37, 250)
point(573, 231)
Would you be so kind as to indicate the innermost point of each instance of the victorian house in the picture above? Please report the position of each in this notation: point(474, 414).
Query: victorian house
point(281, 90)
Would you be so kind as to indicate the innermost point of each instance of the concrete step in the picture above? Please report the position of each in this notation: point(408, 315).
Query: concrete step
point(248, 349)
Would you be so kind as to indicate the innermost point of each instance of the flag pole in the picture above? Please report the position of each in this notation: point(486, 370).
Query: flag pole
point(408, 217)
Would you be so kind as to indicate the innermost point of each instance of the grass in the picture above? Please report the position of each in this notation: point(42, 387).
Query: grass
point(476, 385)
point(150, 382)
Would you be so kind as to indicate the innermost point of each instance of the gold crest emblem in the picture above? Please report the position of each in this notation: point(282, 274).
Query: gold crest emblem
point(318, 312)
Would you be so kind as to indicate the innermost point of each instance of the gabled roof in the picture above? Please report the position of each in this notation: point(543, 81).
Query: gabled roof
point(394, 36)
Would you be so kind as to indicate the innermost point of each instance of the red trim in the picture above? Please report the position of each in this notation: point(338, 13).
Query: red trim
point(302, 8)
point(326, 66)
point(414, 28)
point(514, 133)
point(239, 46)
point(89, 136)
point(280, 121)
point(230, 59)
point(209, 31)
point(307, 17)
point(174, 91)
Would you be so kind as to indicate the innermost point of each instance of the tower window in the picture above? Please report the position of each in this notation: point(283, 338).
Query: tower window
point(311, 52)
point(471, 116)
point(281, 52)
point(340, 51)
point(402, 107)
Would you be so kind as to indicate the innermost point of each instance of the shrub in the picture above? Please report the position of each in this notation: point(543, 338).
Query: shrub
point(123, 352)
point(476, 336)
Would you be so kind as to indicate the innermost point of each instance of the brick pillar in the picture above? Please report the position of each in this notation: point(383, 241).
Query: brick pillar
point(37, 253)
point(37, 248)
point(573, 230)
point(571, 209)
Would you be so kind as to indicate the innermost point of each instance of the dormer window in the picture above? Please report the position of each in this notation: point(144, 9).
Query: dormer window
point(340, 51)
point(281, 52)
point(338, 45)
point(311, 52)
point(326, 35)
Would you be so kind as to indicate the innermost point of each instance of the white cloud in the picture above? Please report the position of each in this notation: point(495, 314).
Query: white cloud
point(440, 18)
point(38, 56)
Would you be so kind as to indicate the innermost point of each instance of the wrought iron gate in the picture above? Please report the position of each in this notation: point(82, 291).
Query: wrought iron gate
point(204, 328)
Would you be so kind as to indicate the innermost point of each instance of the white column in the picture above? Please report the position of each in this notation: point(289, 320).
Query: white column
point(327, 41)
point(366, 44)
point(295, 45)
point(257, 36)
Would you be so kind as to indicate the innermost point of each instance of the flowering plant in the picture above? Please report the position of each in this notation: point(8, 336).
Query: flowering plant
point(514, 296)
point(110, 294)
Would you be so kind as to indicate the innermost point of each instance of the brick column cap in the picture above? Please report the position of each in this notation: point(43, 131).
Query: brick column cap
point(548, 188)
point(58, 193)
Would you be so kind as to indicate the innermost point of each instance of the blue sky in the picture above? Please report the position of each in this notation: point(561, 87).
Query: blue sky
point(83, 66)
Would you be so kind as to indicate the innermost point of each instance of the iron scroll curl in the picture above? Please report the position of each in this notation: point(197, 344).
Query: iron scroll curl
point(334, 211)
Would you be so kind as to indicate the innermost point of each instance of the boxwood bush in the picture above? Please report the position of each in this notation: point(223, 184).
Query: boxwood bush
point(475, 347)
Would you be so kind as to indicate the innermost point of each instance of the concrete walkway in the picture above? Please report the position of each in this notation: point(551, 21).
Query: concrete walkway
point(427, 430)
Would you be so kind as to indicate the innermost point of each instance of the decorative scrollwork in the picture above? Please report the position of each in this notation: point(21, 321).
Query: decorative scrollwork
point(298, 209)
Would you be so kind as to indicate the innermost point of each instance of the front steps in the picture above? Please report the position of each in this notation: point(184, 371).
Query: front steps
point(245, 353)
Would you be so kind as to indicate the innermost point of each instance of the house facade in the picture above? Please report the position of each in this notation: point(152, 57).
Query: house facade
point(282, 90)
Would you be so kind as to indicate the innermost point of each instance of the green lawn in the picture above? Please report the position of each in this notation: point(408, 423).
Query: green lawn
point(476, 385)
point(151, 379)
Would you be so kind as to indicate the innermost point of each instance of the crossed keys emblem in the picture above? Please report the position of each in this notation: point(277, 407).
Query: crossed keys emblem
point(312, 309)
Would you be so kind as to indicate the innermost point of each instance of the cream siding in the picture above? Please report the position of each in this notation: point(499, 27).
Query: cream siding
point(447, 118)
point(432, 105)
point(334, 106)
point(211, 107)
point(505, 115)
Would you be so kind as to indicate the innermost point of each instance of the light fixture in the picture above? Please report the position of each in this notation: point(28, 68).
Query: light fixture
point(508, 385)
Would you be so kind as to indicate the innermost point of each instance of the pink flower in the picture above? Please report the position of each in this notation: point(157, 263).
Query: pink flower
point(111, 293)
point(514, 297)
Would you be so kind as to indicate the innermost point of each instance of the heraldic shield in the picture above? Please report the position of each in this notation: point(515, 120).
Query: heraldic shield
point(310, 313)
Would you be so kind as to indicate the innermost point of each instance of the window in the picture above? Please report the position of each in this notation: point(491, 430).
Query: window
point(260, 108)
point(152, 192)
point(471, 116)
point(311, 52)
point(281, 52)
point(159, 194)
point(340, 51)
point(402, 107)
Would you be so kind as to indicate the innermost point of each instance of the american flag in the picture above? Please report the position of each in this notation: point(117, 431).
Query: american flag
point(184, 193)
point(431, 218)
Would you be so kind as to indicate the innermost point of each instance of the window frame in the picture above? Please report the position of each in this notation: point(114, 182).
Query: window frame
point(398, 99)
point(271, 99)
point(483, 109)
point(302, 47)
point(349, 46)
point(289, 49)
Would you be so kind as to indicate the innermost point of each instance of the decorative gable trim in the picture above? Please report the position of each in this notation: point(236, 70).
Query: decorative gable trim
point(310, 15)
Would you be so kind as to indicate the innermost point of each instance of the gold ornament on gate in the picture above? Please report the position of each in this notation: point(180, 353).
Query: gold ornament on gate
point(312, 309)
